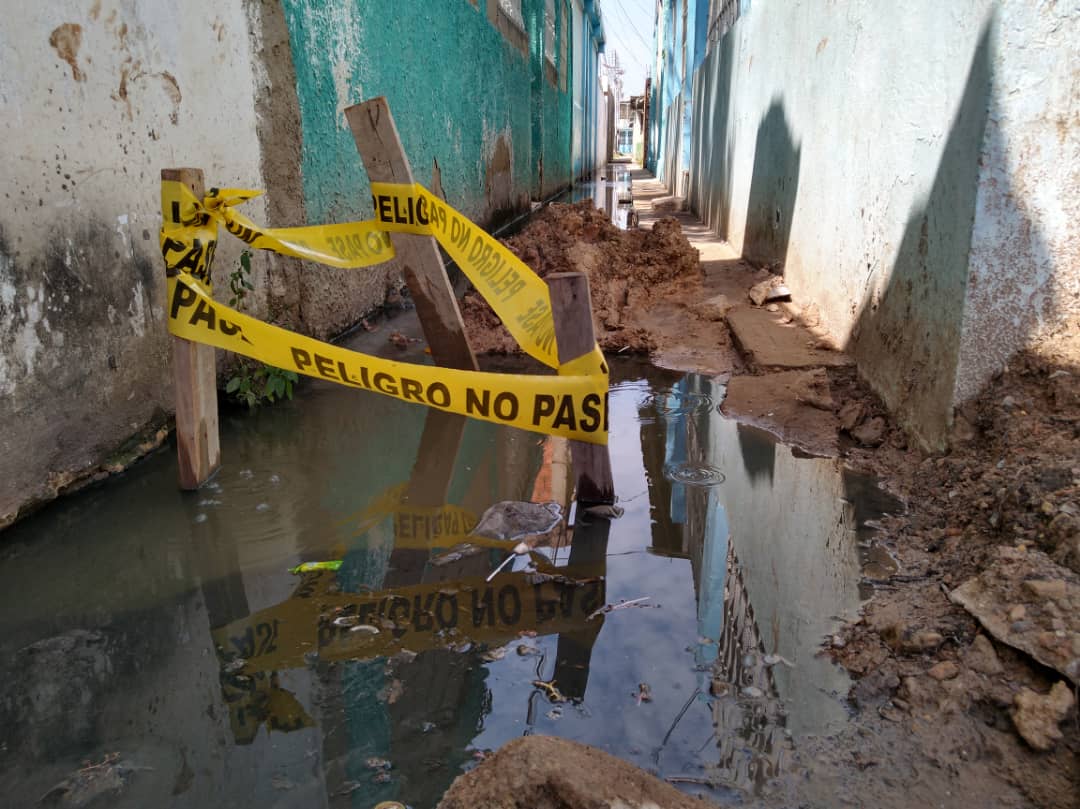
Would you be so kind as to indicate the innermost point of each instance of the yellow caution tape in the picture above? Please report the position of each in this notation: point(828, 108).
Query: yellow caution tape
point(517, 295)
point(348, 245)
point(188, 234)
point(572, 404)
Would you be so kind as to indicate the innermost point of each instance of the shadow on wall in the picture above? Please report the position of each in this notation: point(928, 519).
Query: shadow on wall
point(758, 451)
point(773, 188)
point(907, 336)
point(710, 191)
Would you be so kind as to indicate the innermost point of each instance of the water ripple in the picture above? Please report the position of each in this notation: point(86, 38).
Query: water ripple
point(694, 474)
point(678, 403)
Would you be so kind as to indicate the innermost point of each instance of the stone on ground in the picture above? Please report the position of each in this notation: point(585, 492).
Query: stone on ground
point(543, 772)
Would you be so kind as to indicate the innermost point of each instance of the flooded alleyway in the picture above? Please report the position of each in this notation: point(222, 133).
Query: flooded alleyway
point(167, 629)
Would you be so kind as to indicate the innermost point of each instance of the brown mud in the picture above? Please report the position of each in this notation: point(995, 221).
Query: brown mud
point(966, 659)
point(638, 280)
point(993, 527)
point(543, 772)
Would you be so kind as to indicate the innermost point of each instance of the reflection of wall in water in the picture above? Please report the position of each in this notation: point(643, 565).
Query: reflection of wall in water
point(792, 531)
point(795, 543)
point(750, 724)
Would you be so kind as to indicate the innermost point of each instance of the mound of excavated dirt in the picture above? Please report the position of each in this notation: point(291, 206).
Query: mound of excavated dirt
point(629, 271)
point(541, 772)
point(975, 639)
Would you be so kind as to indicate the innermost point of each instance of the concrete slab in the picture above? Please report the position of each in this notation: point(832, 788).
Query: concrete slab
point(767, 342)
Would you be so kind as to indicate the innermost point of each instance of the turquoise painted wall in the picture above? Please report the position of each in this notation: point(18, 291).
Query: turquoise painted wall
point(456, 86)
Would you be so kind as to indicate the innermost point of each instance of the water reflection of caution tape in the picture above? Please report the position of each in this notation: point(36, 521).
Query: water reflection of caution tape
point(572, 404)
point(418, 617)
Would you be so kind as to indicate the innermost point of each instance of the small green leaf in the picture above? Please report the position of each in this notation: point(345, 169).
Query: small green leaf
point(232, 385)
point(248, 285)
point(245, 261)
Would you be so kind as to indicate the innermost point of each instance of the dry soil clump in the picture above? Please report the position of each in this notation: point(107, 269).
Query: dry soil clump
point(629, 272)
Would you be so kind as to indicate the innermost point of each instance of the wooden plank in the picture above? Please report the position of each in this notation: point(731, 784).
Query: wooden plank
point(429, 487)
point(194, 378)
point(572, 310)
point(384, 158)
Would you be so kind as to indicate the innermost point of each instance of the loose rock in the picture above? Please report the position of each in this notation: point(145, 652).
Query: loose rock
point(1036, 716)
point(945, 670)
point(714, 308)
point(981, 657)
point(542, 772)
point(870, 433)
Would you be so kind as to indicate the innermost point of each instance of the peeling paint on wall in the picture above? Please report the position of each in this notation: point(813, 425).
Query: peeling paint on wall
point(123, 89)
point(451, 77)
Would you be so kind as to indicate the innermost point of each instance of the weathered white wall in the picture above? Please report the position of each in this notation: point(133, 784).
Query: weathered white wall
point(95, 99)
point(1024, 278)
point(875, 150)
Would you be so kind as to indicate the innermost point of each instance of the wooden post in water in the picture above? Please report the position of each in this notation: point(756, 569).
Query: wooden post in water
point(384, 158)
point(194, 372)
point(572, 311)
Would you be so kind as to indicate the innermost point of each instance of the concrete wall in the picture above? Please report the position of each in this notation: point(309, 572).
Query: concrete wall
point(912, 168)
point(1024, 270)
point(96, 97)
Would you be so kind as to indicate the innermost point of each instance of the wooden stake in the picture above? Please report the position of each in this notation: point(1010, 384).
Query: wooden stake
point(194, 376)
point(572, 310)
point(384, 158)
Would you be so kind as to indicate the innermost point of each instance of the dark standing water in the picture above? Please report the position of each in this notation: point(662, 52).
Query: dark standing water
point(166, 627)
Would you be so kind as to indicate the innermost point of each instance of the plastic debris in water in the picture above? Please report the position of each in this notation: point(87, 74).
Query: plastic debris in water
point(553, 693)
point(234, 666)
point(307, 567)
point(772, 660)
point(604, 610)
point(644, 693)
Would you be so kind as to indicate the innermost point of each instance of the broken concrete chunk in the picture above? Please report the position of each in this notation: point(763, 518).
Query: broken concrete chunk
point(1030, 584)
point(771, 289)
point(714, 309)
point(1036, 716)
point(511, 519)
